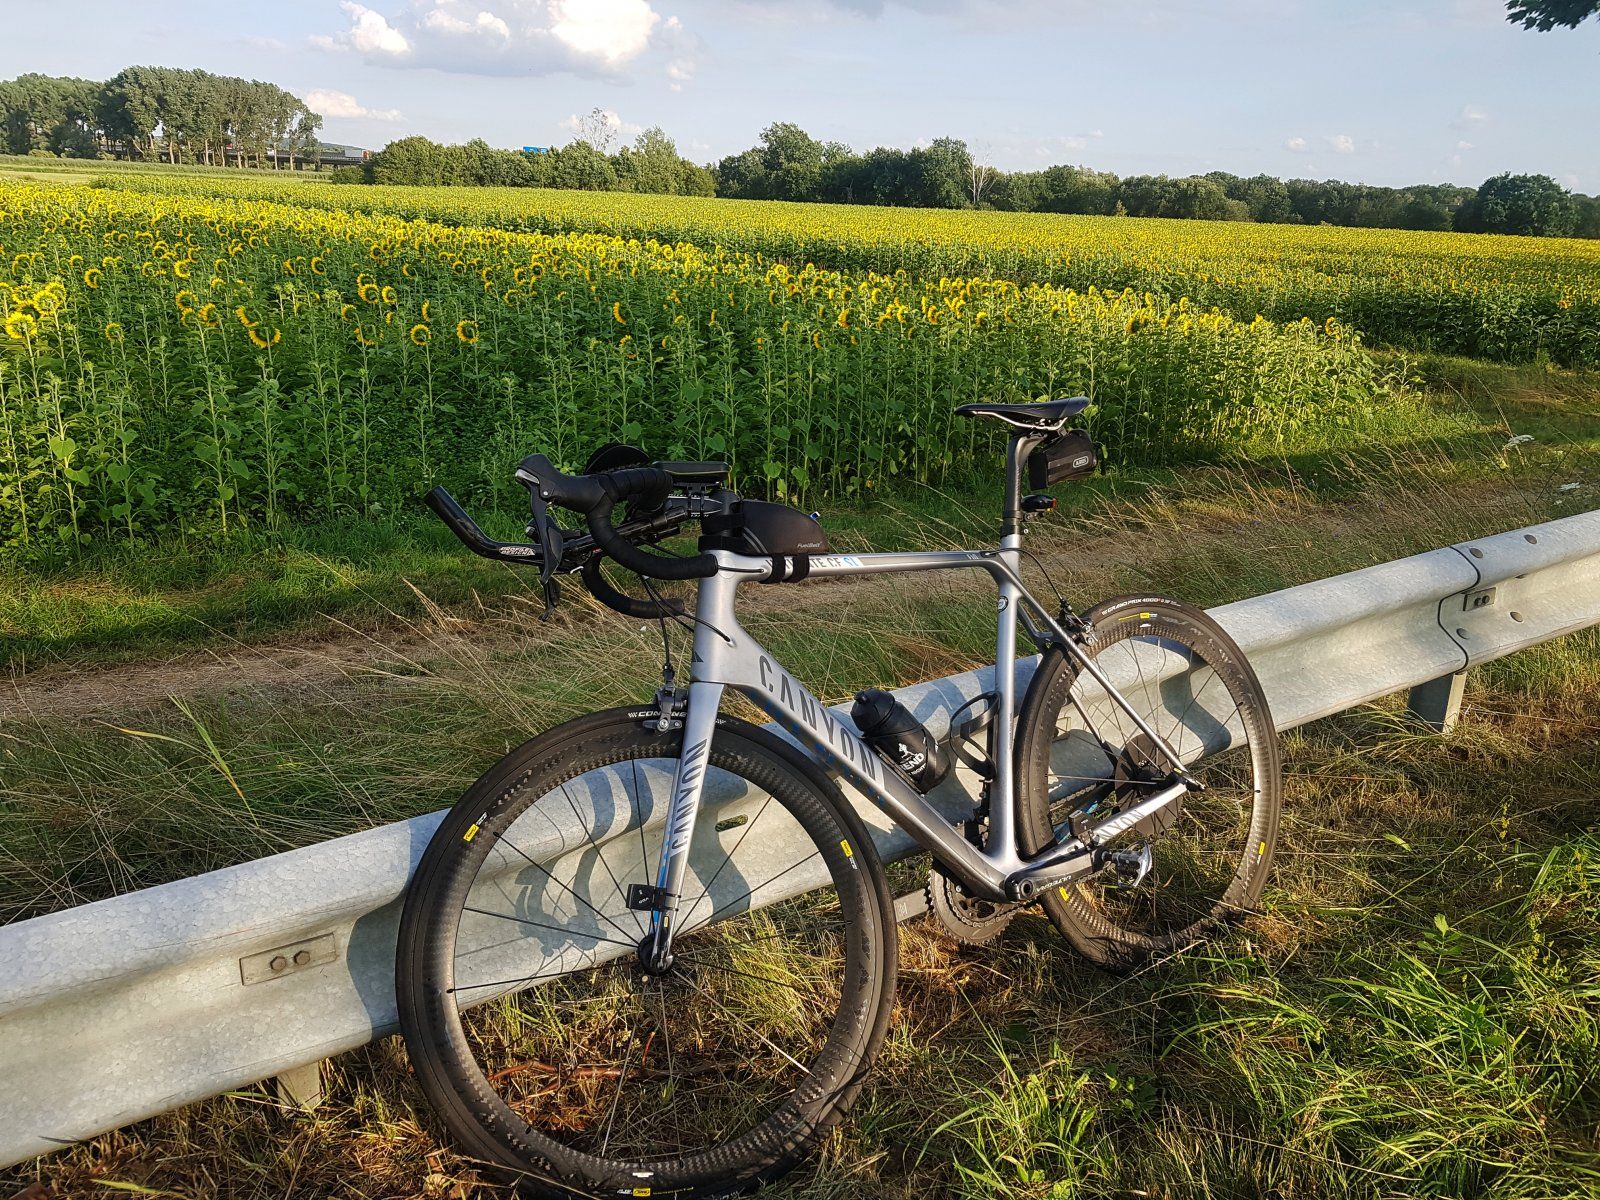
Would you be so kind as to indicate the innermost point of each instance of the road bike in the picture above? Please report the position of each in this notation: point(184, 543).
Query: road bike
point(652, 951)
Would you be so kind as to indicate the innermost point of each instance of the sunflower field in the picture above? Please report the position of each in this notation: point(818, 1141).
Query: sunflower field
point(1507, 299)
point(180, 363)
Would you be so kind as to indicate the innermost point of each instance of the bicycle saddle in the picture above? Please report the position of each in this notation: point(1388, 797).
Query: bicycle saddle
point(1047, 414)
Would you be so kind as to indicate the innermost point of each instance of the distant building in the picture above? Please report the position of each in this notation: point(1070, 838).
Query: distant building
point(329, 154)
point(536, 149)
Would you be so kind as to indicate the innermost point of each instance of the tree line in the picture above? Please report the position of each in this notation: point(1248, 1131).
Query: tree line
point(651, 164)
point(790, 164)
point(183, 116)
point(158, 114)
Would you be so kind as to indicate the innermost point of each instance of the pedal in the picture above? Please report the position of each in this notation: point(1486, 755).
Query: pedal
point(1131, 866)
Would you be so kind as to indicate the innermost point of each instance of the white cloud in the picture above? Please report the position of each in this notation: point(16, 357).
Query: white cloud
point(1297, 145)
point(343, 105)
point(513, 37)
point(441, 21)
point(369, 33)
point(1343, 143)
point(1469, 117)
point(1464, 146)
point(612, 31)
point(683, 52)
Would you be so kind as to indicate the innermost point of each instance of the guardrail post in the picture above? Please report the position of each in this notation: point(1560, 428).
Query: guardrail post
point(1437, 703)
point(302, 1086)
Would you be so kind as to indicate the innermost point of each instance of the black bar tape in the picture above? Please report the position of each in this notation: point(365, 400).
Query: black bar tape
point(618, 601)
point(480, 543)
point(641, 562)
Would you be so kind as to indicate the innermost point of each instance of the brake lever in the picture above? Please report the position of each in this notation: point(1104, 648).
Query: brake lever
point(551, 545)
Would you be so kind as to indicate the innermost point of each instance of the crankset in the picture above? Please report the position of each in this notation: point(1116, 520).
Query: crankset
point(967, 918)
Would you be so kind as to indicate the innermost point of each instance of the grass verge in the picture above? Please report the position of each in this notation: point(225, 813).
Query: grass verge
point(1414, 1013)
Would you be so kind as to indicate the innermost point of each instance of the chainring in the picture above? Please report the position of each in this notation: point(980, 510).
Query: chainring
point(966, 918)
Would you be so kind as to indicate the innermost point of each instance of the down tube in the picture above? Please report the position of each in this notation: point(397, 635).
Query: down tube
point(742, 663)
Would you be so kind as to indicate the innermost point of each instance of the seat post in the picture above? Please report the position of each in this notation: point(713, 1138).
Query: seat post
point(1017, 451)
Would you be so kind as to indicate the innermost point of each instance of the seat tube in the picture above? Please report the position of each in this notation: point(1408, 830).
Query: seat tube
point(1002, 839)
point(699, 724)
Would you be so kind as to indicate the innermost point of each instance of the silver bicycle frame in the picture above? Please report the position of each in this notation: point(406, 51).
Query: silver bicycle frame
point(726, 655)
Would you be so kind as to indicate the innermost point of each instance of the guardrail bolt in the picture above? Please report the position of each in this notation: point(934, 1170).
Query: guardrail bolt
point(278, 963)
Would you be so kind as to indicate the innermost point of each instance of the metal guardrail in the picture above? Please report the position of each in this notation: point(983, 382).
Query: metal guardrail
point(118, 1010)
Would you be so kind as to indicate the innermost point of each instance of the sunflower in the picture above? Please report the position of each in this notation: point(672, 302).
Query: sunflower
point(421, 335)
point(467, 331)
point(91, 277)
point(22, 326)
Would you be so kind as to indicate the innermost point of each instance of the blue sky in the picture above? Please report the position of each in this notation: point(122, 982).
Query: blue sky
point(1389, 93)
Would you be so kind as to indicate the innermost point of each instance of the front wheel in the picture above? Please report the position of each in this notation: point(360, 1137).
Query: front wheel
point(1081, 759)
point(545, 1046)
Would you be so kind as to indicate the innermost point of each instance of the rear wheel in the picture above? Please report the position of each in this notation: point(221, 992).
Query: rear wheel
point(1161, 885)
point(544, 1045)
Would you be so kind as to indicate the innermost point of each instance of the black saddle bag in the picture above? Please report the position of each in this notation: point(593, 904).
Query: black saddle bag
point(1069, 455)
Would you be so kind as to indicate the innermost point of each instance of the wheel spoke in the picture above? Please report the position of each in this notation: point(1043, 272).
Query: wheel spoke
point(726, 859)
point(485, 912)
point(545, 871)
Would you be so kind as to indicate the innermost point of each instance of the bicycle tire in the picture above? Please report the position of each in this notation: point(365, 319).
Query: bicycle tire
point(554, 1162)
point(1208, 872)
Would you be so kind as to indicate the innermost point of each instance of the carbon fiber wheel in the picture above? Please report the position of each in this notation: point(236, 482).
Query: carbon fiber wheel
point(546, 1048)
point(1164, 883)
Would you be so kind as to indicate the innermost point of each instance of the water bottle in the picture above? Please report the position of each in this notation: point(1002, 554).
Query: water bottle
point(890, 729)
